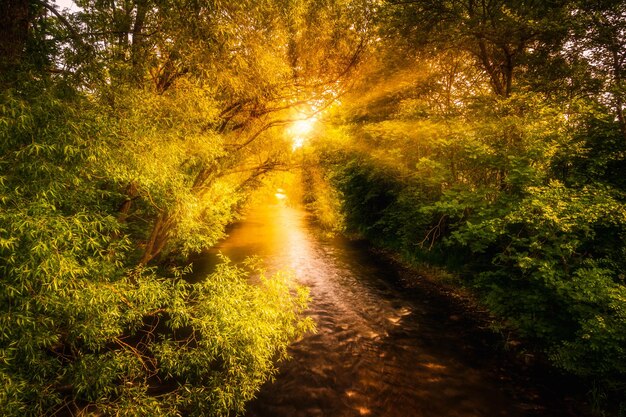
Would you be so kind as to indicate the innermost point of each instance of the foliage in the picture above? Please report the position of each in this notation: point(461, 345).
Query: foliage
point(547, 257)
point(487, 140)
point(488, 136)
point(83, 327)
point(321, 199)
point(131, 133)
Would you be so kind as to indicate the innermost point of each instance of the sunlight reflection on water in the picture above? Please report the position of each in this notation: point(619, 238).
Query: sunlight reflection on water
point(375, 352)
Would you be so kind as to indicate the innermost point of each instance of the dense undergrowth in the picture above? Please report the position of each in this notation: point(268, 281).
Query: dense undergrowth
point(528, 212)
point(492, 141)
point(86, 327)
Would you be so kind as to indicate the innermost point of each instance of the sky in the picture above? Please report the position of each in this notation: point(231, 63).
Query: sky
point(66, 4)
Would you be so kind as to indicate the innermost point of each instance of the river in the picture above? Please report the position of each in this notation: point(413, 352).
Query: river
point(384, 346)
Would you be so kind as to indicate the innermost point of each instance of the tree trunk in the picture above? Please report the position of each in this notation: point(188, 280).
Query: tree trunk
point(14, 29)
point(137, 45)
point(491, 69)
point(157, 239)
point(131, 192)
point(619, 101)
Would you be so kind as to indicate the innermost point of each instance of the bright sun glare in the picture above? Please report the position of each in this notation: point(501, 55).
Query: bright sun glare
point(299, 130)
point(303, 127)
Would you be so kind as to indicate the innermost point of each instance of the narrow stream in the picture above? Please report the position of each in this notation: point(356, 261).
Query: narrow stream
point(382, 348)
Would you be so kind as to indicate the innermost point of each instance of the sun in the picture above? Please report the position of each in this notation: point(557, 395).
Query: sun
point(302, 127)
point(299, 130)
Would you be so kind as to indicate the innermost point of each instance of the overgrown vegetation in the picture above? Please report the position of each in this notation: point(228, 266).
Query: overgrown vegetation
point(320, 198)
point(486, 136)
point(489, 137)
point(130, 135)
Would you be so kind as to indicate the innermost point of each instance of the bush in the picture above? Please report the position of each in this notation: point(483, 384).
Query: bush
point(83, 326)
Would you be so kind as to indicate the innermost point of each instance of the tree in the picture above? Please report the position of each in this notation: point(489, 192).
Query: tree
point(598, 36)
point(15, 21)
point(484, 136)
point(136, 131)
point(234, 56)
point(497, 34)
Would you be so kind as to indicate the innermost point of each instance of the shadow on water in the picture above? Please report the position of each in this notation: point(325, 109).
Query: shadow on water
point(381, 349)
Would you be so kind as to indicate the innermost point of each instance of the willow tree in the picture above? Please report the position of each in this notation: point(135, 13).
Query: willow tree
point(223, 78)
point(134, 130)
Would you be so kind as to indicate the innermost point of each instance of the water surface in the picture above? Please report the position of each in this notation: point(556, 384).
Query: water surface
point(382, 348)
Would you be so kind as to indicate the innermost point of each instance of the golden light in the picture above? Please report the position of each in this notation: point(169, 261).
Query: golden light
point(299, 130)
point(280, 194)
point(298, 142)
point(302, 127)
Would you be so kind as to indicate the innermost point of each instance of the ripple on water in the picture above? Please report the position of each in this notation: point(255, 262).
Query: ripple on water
point(376, 352)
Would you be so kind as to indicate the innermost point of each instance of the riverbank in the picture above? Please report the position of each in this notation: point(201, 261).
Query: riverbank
point(532, 378)
point(387, 342)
